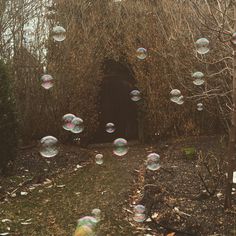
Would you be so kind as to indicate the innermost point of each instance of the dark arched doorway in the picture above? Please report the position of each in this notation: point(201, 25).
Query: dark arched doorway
point(115, 103)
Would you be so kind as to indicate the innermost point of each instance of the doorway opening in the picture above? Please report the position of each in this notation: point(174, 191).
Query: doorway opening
point(116, 105)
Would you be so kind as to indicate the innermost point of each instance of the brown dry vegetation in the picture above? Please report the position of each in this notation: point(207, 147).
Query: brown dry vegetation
point(103, 29)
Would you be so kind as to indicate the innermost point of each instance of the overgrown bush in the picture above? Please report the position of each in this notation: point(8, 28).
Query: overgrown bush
point(101, 30)
point(8, 137)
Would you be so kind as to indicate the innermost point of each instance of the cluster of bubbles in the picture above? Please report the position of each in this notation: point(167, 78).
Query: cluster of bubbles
point(73, 123)
point(120, 147)
point(153, 161)
point(135, 95)
point(99, 159)
point(199, 106)
point(141, 53)
point(176, 96)
point(48, 147)
point(202, 46)
point(139, 213)
point(110, 128)
point(198, 78)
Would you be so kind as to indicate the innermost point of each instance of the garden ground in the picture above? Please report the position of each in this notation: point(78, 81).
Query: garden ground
point(43, 198)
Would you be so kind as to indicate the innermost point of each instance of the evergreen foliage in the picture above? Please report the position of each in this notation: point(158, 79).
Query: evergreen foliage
point(8, 137)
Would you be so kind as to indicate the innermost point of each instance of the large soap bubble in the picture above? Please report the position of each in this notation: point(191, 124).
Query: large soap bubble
point(120, 147)
point(89, 221)
point(47, 81)
point(153, 161)
point(202, 46)
point(58, 33)
point(48, 146)
point(84, 230)
point(141, 53)
point(198, 78)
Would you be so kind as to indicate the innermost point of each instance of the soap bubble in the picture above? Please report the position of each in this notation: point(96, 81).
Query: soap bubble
point(78, 125)
point(99, 159)
point(202, 46)
point(233, 39)
point(97, 214)
point(199, 106)
point(139, 209)
point(88, 221)
point(84, 230)
point(141, 53)
point(198, 78)
point(110, 128)
point(120, 147)
point(135, 95)
point(48, 146)
point(28, 33)
point(180, 100)
point(153, 160)
point(67, 121)
point(47, 81)
point(58, 33)
point(139, 213)
point(176, 97)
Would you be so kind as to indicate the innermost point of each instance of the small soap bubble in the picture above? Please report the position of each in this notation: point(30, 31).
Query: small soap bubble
point(139, 209)
point(153, 161)
point(97, 214)
point(28, 33)
point(233, 39)
point(110, 128)
point(48, 147)
point(176, 97)
point(202, 46)
point(139, 213)
point(120, 147)
point(99, 159)
point(199, 106)
point(78, 125)
point(58, 33)
point(198, 78)
point(67, 121)
point(141, 53)
point(135, 95)
point(180, 100)
point(47, 81)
